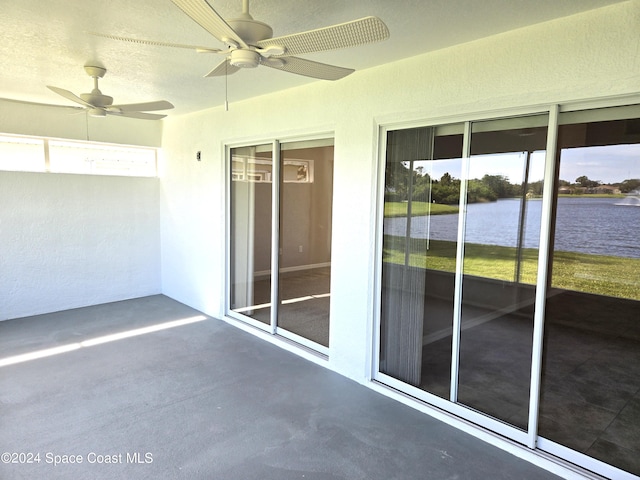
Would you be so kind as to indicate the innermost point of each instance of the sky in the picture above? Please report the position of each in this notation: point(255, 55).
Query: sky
point(608, 164)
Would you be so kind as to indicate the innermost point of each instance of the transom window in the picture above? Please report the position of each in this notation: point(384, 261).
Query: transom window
point(35, 154)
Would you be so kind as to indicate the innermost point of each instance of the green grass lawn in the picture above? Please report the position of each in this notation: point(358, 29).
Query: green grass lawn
point(399, 209)
point(597, 274)
point(592, 195)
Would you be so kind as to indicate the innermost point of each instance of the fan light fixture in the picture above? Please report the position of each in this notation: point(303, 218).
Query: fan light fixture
point(244, 58)
point(96, 112)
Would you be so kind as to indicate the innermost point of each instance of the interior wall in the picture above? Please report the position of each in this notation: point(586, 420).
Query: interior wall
point(306, 212)
point(69, 241)
point(586, 56)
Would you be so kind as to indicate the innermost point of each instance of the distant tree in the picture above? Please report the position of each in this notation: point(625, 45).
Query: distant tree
point(446, 191)
point(479, 191)
point(396, 181)
point(500, 186)
point(535, 188)
point(584, 181)
point(446, 179)
point(630, 185)
point(422, 188)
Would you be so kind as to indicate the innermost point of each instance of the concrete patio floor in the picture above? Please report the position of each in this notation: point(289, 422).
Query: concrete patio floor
point(205, 400)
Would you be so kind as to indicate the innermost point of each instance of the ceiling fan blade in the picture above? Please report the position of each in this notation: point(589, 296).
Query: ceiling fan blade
point(139, 115)
point(204, 15)
point(159, 44)
point(68, 95)
point(222, 69)
point(144, 107)
point(308, 68)
point(349, 34)
point(39, 104)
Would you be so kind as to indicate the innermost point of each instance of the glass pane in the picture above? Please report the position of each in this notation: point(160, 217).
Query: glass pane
point(96, 159)
point(590, 398)
point(422, 191)
point(250, 262)
point(502, 231)
point(21, 154)
point(306, 194)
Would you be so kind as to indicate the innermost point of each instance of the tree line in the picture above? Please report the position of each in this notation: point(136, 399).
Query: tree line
point(489, 188)
point(584, 182)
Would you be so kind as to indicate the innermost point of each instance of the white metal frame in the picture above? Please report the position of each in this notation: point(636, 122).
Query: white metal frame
point(541, 286)
point(457, 294)
point(275, 236)
point(272, 328)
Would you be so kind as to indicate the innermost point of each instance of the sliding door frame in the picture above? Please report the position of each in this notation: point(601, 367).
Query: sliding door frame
point(276, 184)
point(229, 240)
point(527, 437)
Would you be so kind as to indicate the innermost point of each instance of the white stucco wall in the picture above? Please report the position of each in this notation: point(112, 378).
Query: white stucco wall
point(68, 241)
point(591, 55)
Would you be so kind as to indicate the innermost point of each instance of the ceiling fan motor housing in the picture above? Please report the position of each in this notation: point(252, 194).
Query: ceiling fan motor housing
point(245, 58)
point(97, 99)
point(250, 30)
point(97, 112)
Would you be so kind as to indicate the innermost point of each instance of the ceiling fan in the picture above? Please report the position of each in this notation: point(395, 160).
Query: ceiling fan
point(99, 105)
point(249, 43)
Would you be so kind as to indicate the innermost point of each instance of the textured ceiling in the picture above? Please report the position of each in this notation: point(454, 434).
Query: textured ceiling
point(45, 42)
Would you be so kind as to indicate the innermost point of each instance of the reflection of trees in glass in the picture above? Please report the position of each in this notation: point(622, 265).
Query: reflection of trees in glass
point(500, 186)
point(480, 191)
point(446, 190)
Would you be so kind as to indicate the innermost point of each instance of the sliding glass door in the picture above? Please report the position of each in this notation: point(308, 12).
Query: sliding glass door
point(251, 225)
point(501, 230)
point(304, 273)
point(460, 253)
point(422, 178)
point(280, 214)
point(590, 398)
point(510, 273)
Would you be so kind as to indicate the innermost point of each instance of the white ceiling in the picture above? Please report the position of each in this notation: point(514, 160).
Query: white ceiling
point(46, 42)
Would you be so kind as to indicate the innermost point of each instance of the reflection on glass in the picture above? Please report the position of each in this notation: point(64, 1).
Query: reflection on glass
point(306, 194)
point(590, 398)
point(502, 231)
point(590, 390)
point(250, 261)
point(422, 191)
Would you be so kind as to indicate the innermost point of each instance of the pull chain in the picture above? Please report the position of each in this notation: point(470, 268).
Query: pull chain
point(226, 86)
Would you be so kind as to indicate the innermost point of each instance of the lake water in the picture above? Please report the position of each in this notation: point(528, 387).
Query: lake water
point(602, 226)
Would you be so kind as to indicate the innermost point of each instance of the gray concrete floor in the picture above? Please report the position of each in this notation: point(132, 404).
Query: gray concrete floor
point(208, 401)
